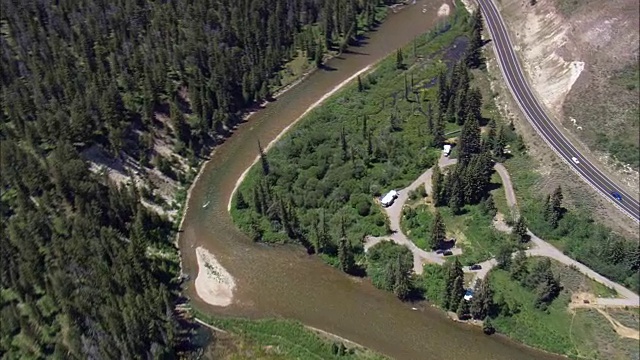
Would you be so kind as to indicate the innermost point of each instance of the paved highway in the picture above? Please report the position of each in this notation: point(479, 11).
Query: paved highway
point(535, 114)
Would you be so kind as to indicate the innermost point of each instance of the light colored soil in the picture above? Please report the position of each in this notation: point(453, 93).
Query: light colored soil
point(214, 284)
point(444, 10)
point(570, 59)
point(547, 164)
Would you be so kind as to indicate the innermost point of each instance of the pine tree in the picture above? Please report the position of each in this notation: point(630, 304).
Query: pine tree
point(470, 142)
point(500, 143)
point(489, 206)
point(241, 203)
point(437, 231)
point(437, 191)
point(263, 160)
point(473, 57)
point(503, 258)
point(487, 326)
point(399, 60)
point(344, 145)
point(455, 194)
point(556, 207)
point(365, 131)
point(443, 91)
point(457, 293)
point(360, 86)
point(520, 230)
point(345, 255)
point(401, 287)
point(482, 300)
point(519, 267)
point(463, 309)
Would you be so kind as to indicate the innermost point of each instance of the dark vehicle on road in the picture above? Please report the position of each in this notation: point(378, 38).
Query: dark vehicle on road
point(439, 251)
point(616, 195)
point(475, 267)
point(447, 253)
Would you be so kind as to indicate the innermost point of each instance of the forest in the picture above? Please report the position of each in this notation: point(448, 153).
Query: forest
point(86, 271)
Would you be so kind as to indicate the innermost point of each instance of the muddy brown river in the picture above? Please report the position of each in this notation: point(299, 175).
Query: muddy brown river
point(285, 281)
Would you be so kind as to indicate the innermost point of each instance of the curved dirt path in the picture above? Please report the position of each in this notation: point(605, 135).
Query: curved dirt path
point(539, 246)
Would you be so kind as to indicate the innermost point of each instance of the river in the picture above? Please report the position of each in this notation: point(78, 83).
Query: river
point(285, 281)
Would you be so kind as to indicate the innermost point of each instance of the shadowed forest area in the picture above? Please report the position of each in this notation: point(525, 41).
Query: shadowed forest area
point(86, 270)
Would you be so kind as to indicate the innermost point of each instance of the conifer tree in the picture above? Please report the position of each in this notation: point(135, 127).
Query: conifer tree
point(438, 231)
point(457, 292)
point(482, 300)
point(470, 142)
point(520, 230)
point(241, 203)
point(399, 60)
point(263, 160)
point(345, 255)
point(473, 57)
point(463, 309)
point(519, 267)
point(437, 190)
point(555, 207)
point(360, 86)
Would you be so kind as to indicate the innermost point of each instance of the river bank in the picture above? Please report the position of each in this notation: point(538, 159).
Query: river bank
point(283, 281)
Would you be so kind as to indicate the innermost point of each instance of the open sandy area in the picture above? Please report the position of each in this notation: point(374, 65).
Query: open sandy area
point(214, 284)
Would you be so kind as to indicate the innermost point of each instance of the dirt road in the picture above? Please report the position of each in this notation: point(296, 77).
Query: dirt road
point(539, 246)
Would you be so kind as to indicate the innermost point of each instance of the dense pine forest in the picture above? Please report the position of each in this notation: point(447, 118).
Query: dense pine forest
point(84, 270)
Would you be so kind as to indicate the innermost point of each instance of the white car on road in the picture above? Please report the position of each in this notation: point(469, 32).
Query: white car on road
point(575, 160)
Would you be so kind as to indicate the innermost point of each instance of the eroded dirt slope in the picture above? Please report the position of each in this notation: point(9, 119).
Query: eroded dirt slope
point(582, 59)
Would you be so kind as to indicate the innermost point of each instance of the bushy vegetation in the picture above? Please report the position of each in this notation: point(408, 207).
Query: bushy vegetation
point(519, 313)
point(318, 184)
point(83, 266)
point(286, 339)
point(577, 234)
point(390, 267)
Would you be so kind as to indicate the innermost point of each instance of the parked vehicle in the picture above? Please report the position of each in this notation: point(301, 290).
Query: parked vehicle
point(447, 253)
point(475, 267)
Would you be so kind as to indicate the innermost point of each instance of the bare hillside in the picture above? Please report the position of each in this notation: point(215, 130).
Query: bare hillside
point(582, 59)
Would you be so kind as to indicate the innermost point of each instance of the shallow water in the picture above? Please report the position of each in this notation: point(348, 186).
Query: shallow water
point(284, 281)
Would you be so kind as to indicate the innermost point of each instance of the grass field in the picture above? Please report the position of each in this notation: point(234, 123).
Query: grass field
point(472, 230)
point(581, 333)
point(278, 339)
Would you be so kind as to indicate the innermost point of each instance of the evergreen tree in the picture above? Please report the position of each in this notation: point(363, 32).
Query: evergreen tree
point(443, 91)
point(344, 146)
point(402, 286)
point(457, 293)
point(503, 258)
point(519, 267)
point(360, 86)
point(437, 190)
point(520, 230)
point(473, 57)
point(345, 255)
point(482, 300)
point(455, 194)
point(500, 143)
point(555, 207)
point(453, 271)
point(470, 142)
point(437, 231)
point(241, 203)
point(263, 160)
point(487, 326)
point(463, 309)
point(399, 60)
point(489, 206)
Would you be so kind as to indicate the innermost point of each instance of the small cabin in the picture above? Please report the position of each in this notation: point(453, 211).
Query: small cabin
point(388, 199)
